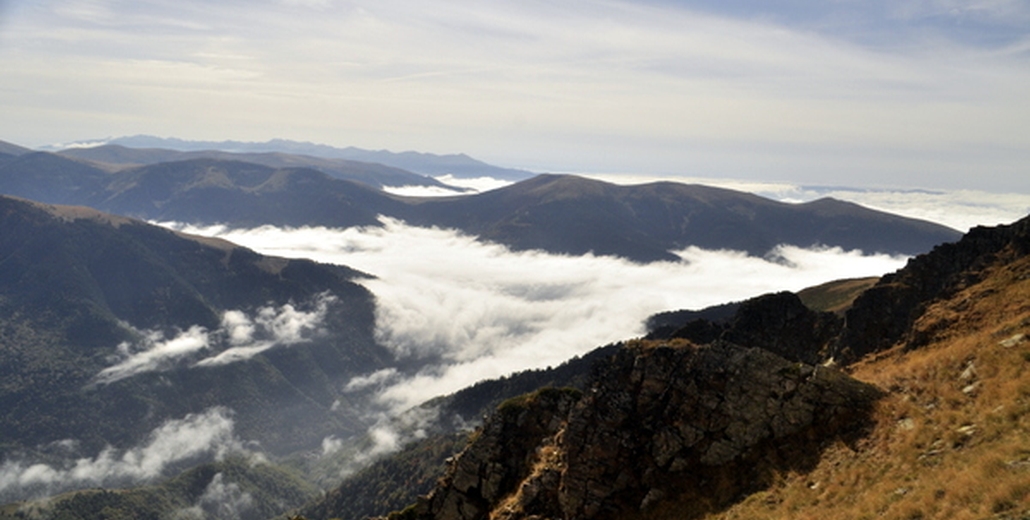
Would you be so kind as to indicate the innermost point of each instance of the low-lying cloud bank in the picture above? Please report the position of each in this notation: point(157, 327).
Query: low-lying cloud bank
point(240, 337)
point(471, 185)
point(472, 310)
point(192, 438)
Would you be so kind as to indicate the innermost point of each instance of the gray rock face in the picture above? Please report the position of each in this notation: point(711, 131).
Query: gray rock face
point(658, 422)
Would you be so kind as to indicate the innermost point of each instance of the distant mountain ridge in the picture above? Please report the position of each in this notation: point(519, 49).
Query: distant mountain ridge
point(556, 213)
point(372, 174)
point(12, 149)
point(459, 165)
point(575, 215)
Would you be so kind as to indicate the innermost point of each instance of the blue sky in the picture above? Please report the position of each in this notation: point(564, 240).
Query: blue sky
point(905, 93)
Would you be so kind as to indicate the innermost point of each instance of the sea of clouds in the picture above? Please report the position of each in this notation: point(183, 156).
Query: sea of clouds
point(469, 310)
point(463, 311)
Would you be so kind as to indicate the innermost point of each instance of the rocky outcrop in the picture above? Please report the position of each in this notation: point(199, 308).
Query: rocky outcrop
point(778, 322)
point(501, 456)
point(701, 424)
point(878, 319)
point(883, 315)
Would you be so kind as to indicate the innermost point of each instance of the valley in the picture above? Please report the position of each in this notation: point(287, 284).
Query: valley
point(305, 343)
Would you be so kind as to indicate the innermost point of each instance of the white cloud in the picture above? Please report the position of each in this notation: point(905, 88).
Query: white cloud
point(613, 85)
point(471, 185)
point(209, 434)
point(221, 500)
point(472, 311)
point(371, 380)
point(274, 326)
point(154, 352)
point(241, 336)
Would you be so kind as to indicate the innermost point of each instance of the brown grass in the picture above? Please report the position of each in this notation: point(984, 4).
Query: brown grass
point(952, 437)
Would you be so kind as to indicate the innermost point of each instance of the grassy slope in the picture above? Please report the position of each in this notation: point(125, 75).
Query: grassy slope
point(952, 438)
point(835, 296)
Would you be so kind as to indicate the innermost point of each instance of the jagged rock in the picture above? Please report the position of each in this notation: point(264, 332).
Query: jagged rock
point(500, 457)
point(883, 315)
point(658, 422)
point(780, 323)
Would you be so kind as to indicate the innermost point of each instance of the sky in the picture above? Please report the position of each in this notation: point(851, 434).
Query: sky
point(900, 93)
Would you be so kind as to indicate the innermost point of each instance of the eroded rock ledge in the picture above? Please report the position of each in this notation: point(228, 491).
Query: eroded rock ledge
point(661, 422)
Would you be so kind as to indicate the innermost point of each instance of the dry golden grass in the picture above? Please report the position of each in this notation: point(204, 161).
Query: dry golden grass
point(951, 439)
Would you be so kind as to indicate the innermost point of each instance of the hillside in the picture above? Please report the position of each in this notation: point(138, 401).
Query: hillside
point(556, 213)
point(459, 165)
point(371, 174)
point(12, 149)
point(574, 215)
point(199, 191)
point(928, 422)
point(112, 330)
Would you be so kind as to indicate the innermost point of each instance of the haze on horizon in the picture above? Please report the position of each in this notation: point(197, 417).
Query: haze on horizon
point(905, 93)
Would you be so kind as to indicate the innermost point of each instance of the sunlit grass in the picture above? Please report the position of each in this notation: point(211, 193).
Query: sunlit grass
point(951, 438)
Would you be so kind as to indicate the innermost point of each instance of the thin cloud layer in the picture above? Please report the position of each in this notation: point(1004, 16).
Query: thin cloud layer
point(239, 338)
point(209, 434)
point(470, 310)
point(473, 185)
point(916, 92)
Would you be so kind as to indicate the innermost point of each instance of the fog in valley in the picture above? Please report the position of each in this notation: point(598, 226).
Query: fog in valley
point(469, 310)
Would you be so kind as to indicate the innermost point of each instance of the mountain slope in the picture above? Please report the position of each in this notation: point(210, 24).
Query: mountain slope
point(459, 165)
point(568, 214)
point(12, 149)
point(199, 191)
point(372, 174)
point(111, 328)
point(50, 178)
point(943, 435)
point(555, 213)
point(243, 194)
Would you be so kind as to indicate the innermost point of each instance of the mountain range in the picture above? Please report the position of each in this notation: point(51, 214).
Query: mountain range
point(556, 213)
point(130, 353)
point(458, 165)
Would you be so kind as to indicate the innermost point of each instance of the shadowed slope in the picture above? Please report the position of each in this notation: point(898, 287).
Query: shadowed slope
point(75, 284)
point(568, 214)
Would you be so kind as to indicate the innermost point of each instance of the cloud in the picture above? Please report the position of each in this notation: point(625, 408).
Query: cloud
point(240, 335)
point(466, 310)
point(371, 380)
point(154, 352)
point(390, 431)
point(473, 185)
point(196, 436)
point(282, 326)
point(773, 92)
point(221, 500)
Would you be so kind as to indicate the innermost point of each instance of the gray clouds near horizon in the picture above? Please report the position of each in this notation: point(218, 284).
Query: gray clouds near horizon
point(912, 93)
